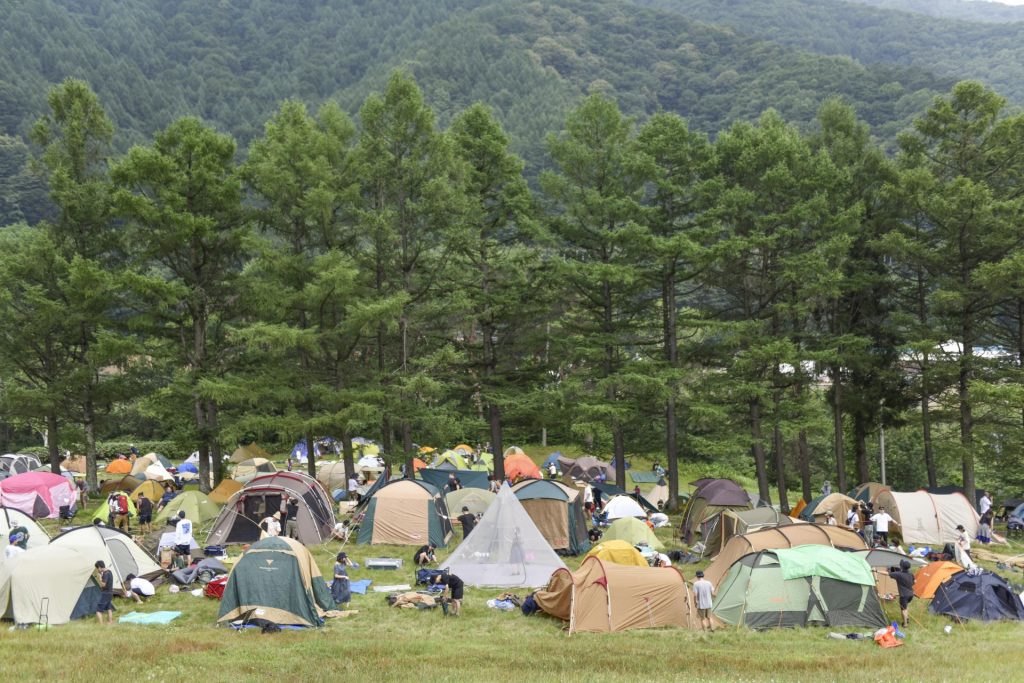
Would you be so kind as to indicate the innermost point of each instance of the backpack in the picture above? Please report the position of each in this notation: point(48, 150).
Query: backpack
point(122, 505)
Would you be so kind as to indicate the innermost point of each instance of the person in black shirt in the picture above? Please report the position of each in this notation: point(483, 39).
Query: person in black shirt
point(145, 508)
point(453, 586)
point(905, 583)
point(104, 578)
point(467, 520)
point(291, 525)
point(425, 555)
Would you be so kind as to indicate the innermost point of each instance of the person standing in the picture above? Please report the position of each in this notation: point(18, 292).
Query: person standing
point(984, 503)
point(705, 593)
point(353, 488)
point(985, 527)
point(853, 518)
point(270, 525)
point(881, 521)
point(552, 470)
point(905, 583)
point(826, 488)
point(104, 578)
point(453, 587)
point(145, 508)
point(830, 519)
point(467, 520)
point(340, 589)
point(291, 526)
point(963, 546)
point(183, 538)
point(17, 542)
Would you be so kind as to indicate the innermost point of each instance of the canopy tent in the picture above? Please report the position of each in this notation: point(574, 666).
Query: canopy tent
point(880, 559)
point(803, 586)
point(836, 503)
point(518, 467)
point(866, 493)
point(224, 490)
point(450, 458)
point(406, 512)
point(468, 478)
point(125, 483)
point(728, 523)
point(711, 497)
point(11, 518)
point(279, 579)
point(141, 464)
point(557, 510)
point(477, 500)
point(197, 506)
point(332, 476)
point(928, 580)
point(623, 506)
point(151, 489)
point(249, 451)
point(117, 550)
point(102, 511)
point(604, 597)
point(781, 537)
point(17, 463)
point(979, 595)
point(589, 468)
point(37, 494)
point(54, 576)
point(239, 519)
point(505, 549)
point(632, 531)
point(618, 552)
point(247, 470)
point(927, 518)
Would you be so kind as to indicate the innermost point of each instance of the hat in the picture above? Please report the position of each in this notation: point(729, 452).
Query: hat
point(342, 556)
point(700, 574)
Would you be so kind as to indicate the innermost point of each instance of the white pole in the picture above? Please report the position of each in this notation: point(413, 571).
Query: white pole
point(881, 432)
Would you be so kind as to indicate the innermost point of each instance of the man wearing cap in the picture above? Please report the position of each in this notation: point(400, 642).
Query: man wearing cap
point(705, 594)
point(905, 583)
point(467, 520)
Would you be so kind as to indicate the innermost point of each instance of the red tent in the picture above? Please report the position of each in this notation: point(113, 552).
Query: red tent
point(37, 494)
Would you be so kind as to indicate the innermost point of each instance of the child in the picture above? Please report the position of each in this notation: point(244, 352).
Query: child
point(985, 527)
point(340, 587)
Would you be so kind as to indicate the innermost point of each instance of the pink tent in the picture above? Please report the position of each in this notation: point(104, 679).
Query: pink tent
point(37, 494)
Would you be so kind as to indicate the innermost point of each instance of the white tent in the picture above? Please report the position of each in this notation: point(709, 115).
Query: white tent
point(52, 584)
point(12, 517)
point(505, 549)
point(117, 550)
point(923, 517)
point(624, 506)
point(158, 472)
point(17, 463)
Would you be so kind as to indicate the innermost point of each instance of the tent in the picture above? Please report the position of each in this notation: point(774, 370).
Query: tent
point(406, 512)
point(119, 466)
point(624, 506)
point(10, 518)
point(469, 478)
point(332, 476)
point(803, 586)
point(605, 597)
point(979, 595)
point(239, 519)
point(464, 449)
point(477, 500)
point(711, 497)
point(880, 559)
point(370, 464)
point(117, 550)
point(836, 503)
point(37, 494)
point(17, 463)
point(557, 510)
point(781, 537)
point(279, 579)
point(618, 552)
point(659, 494)
point(140, 465)
point(55, 576)
point(450, 458)
point(224, 490)
point(187, 468)
point(248, 452)
point(552, 458)
point(928, 580)
point(632, 531)
point(197, 506)
point(588, 468)
point(609, 491)
point(75, 463)
point(521, 467)
point(866, 493)
point(152, 490)
point(927, 518)
point(126, 483)
point(716, 531)
point(247, 470)
point(505, 549)
point(157, 472)
point(514, 451)
point(102, 511)
point(365, 447)
point(323, 446)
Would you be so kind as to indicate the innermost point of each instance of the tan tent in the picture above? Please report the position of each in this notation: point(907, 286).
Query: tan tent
point(224, 491)
point(658, 494)
point(332, 477)
point(477, 500)
point(729, 523)
point(928, 518)
point(248, 452)
point(152, 490)
point(247, 470)
point(54, 579)
point(406, 512)
point(868, 492)
point(781, 537)
point(603, 597)
point(142, 465)
point(75, 463)
point(126, 483)
point(836, 503)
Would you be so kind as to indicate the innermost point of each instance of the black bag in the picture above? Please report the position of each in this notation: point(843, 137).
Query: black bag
point(529, 605)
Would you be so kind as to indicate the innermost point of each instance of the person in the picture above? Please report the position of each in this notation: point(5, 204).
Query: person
point(183, 537)
point(552, 471)
point(467, 520)
point(17, 542)
point(963, 544)
point(595, 494)
point(853, 518)
point(139, 589)
point(453, 484)
point(453, 586)
point(985, 527)
point(353, 488)
point(342, 530)
point(291, 527)
point(166, 498)
point(661, 560)
point(425, 555)
point(881, 521)
point(145, 507)
point(705, 594)
point(636, 491)
point(493, 485)
point(121, 520)
point(826, 488)
point(83, 492)
point(658, 519)
point(984, 503)
point(271, 525)
point(830, 519)
point(340, 589)
point(104, 578)
point(289, 464)
point(905, 584)
point(111, 508)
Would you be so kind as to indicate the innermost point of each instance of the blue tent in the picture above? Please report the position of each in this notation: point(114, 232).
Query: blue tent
point(553, 458)
point(324, 445)
point(188, 467)
point(470, 479)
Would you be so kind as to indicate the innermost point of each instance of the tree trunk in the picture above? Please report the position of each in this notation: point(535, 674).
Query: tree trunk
point(672, 454)
point(668, 297)
point(837, 427)
point(966, 418)
point(494, 417)
point(757, 448)
point(780, 457)
point(52, 440)
point(860, 437)
point(347, 454)
point(619, 442)
point(803, 452)
point(310, 455)
point(89, 423)
point(926, 426)
point(203, 440)
point(410, 468)
point(216, 461)
point(385, 435)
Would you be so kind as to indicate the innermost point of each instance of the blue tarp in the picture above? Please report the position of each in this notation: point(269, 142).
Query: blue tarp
point(360, 586)
point(162, 618)
point(188, 467)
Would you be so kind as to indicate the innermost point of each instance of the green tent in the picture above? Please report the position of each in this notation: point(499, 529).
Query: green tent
point(278, 578)
point(802, 586)
point(633, 531)
point(406, 512)
point(102, 510)
point(197, 506)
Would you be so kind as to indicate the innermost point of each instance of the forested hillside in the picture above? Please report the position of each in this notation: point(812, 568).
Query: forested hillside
point(970, 10)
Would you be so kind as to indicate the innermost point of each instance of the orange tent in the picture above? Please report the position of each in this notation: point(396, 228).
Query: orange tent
point(466, 450)
point(521, 467)
point(931, 577)
point(119, 467)
point(418, 464)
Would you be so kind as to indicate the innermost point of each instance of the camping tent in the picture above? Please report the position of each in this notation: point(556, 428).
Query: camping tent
point(514, 451)
point(10, 518)
point(632, 531)
point(866, 493)
point(557, 510)
point(450, 459)
point(588, 468)
point(928, 580)
point(470, 479)
point(239, 520)
point(247, 470)
point(928, 518)
point(604, 597)
point(248, 452)
point(323, 446)
point(624, 506)
point(836, 503)
point(17, 463)
point(477, 500)
point(151, 489)
point(406, 512)
point(781, 537)
point(279, 579)
point(102, 511)
point(224, 490)
point(505, 549)
point(552, 458)
point(75, 463)
point(37, 494)
point(808, 585)
point(119, 466)
point(658, 494)
point(618, 552)
point(53, 576)
point(332, 476)
point(728, 523)
point(141, 464)
point(117, 549)
point(880, 559)
point(187, 468)
point(711, 497)
point(979, 595)
point(126, 483)
point(197, 506)
point(520, 467)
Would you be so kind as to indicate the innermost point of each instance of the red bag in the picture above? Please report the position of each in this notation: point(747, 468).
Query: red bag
point(215, 589)
point(122, 505)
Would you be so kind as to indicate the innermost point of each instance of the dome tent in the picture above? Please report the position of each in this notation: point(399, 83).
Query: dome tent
point(623, 506)
point(51, 575)
point(37, 494)
point(249, 451)
point(618, 552)
point(197, 506)
point(728, 523)
point(521, 467)
point(117, 549)
point(632, 531)
point(148, 460)
point(836, 503)
point(332, 476)
point(224, 490)
point(17, 463)
point(977, 594)
point(557, 510)
point(711, 497)
point(239, 520)
point(928, 580)
point(126, 483)
point(119, 466)
point(102, 510)
point(406, 512)
point(11, 518)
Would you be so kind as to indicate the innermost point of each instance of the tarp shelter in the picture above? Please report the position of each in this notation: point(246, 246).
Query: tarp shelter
point(248, 452)
point(11, 517)
point(588, 468)
point(126, 483)
point(836, 503)
point(728, 523)
point(120, 466)
point(519, 467)
point(477, 500)
point(151, 489)
point(248, 470)
point(450, 459)
point(406, 512)
point(623, 506)
point(557, 510)
point(505, 549)
point(37, 494)
point(52, 576)
point(781, 537)
point(332, 476)
point(928, 580)
point(711, 497)
point(604, 597)
point(866, 493)
point(618, 552)
point(979, 595)
point(239, 520)
point(224, 490)
point(142, 463)
point(197, 506)
point(117, 550)
point(468, 478)
point(632, 531)
point(926, 518)
point(17, 463)
point(276, 580)
point(804, 586)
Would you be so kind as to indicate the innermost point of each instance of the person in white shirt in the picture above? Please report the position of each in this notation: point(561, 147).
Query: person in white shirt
point(881, 521)
point(830, 519)
point(271, 525)
point(138, 588)
point(183, 537)
point(853, 519)
point(704, 592)
point(963, 547)
point(17, 542)
point(984, 503)
point(353, 486)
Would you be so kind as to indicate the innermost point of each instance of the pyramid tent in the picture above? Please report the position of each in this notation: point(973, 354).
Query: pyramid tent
point(658, 494)
point(117, 549)
point(505, 549)
point(227, 488)
point(158, 472)
point(142, 464)
point(11, 517)
point(451, 458)
point(76, 463)
point(632, 531)
point(52, 575)
point(197, 506)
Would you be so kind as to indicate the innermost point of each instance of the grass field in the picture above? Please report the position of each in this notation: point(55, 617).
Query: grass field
point(385, 644)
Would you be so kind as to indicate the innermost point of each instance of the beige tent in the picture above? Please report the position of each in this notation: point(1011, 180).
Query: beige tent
point(143, 463)
point(781, 537)
point(247, 470)
point(923, 517)
point(117, 550)
point(227, 488)
point(53, 577)
point(477, 500)
point(11, 518)
point(658, 495)
point(76, 463)
point(152, 490)
point(603, 597)
point(248, 452)
point(729, 523)
point(332, 476)
point(836, 503)
point(406, 512)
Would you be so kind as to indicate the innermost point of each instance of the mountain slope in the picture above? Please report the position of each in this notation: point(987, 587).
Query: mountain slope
point(967, 10)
